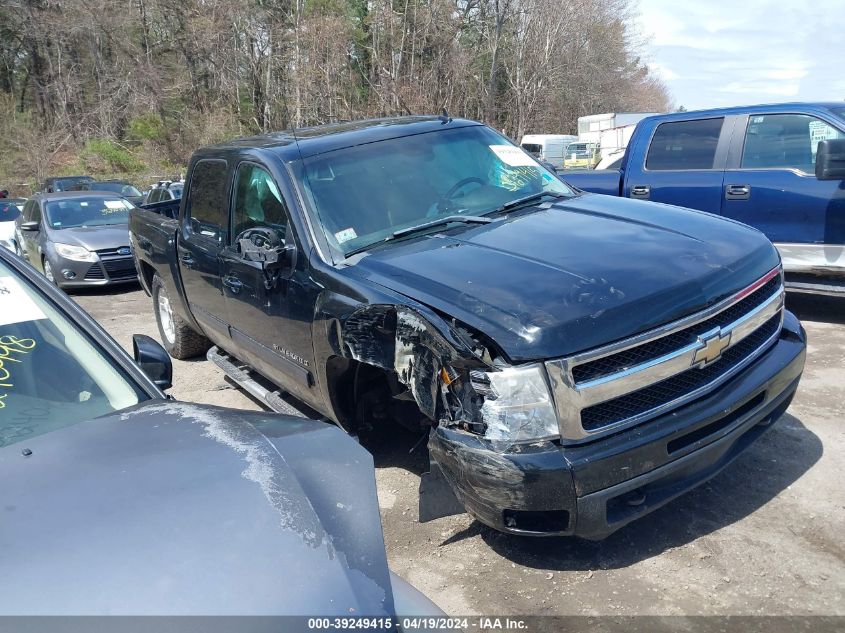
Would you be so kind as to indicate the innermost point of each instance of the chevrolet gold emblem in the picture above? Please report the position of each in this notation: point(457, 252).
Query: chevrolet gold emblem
point(712, 344)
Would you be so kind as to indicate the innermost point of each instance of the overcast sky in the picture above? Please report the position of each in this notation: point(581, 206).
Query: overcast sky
point(716, 53)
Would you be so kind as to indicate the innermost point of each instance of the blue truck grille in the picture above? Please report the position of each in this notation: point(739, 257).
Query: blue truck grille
point(666, 391)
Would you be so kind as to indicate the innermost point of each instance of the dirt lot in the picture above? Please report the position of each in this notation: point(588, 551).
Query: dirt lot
point(763, 537)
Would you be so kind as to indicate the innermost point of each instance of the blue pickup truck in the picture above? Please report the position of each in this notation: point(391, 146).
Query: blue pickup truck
point(779, 168)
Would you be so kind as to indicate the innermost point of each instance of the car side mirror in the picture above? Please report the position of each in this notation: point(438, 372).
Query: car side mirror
point(153, 360)
point(267, 247)
point(32, 225)
point(830, 159)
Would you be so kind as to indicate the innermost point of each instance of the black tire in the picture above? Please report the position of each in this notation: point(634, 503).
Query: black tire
point(180, 340)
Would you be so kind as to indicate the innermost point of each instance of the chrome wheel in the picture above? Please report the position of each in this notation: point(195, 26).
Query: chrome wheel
point(48, 272)
point(165, 315)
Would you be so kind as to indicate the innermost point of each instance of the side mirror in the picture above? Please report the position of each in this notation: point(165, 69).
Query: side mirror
point(153, 360)
point(830, 160)
point(32, 225)
point(267, 247)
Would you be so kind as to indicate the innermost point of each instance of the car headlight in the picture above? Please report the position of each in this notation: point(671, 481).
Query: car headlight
point(517, 404)
point(76, 253)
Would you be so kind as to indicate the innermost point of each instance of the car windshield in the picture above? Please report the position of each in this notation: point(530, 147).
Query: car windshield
point(64, 184)
point(363, 194)
point(51, 374)
point(83, 212)
point(579, 149)
point(9, 210)
point(122, 188)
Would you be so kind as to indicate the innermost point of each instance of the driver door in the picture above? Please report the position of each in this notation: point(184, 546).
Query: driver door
point(269, 320)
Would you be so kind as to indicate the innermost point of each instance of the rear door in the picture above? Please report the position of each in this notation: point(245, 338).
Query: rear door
point(270, 318)
point(681, 163)
point(770, 182)
point(203, 234)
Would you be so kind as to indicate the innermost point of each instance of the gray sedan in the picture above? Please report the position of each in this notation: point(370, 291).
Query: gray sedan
point(120, 501)
point(77, 239)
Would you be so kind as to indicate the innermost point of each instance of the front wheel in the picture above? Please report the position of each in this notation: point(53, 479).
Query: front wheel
point(48, 272)
point(178, 338)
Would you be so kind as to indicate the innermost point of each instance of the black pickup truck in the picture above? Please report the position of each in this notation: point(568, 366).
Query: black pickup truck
point(578, 360)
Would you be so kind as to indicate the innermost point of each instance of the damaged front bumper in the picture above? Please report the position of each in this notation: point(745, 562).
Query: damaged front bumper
point(593, 489)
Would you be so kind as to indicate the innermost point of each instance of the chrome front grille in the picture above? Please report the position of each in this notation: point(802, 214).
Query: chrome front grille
point(628, 382)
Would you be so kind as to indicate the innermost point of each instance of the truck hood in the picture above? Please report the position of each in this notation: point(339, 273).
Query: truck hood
point(94, 238)
point(574, 275)
point(177, 509)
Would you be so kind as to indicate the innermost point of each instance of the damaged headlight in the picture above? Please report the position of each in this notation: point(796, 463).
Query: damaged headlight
point(517, 404)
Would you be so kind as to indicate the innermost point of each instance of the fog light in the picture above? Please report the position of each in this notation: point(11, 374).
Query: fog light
point(68, 274)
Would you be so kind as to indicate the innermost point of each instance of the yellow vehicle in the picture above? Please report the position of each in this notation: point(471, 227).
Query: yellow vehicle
point(582, 156)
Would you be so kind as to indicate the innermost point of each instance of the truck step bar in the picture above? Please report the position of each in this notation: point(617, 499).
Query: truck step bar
point(810, 284)
point(257, 386)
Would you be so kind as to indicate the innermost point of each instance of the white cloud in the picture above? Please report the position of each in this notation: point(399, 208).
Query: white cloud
point(721, 52)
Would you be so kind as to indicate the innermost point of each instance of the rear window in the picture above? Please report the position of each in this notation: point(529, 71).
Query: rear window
point(684, 145)
point(9, 211)
point(209, 201)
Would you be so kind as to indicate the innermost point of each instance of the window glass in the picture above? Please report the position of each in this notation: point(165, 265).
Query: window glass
point(684, 145)
point(258, 201)
point(35, 213)
point(154, 196)
point(209, 200)
point(785, 141)
point(51, 374)
point(85, 212)
point(27, 210)
point(9, 211)
point(363, 194)
point(122, 188)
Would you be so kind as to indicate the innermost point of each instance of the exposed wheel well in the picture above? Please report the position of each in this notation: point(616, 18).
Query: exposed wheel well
point(147, 273)
point(365, 396)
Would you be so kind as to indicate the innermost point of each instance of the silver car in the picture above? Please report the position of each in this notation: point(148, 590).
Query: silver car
point(77, 238)
point(120, 501)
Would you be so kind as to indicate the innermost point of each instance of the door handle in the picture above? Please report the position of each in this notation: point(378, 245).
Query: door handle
point(233, 283)
point(738, 192)
point(188, 260)
point(641, 192)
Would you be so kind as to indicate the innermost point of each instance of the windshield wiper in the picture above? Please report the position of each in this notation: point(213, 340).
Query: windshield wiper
point(534, 197)
point(449, 219)
point(468, 219)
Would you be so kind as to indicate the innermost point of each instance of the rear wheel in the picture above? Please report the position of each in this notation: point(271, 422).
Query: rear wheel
point(178, 338)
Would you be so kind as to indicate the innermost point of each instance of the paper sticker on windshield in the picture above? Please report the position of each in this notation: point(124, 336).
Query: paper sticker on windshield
point(512, 156)
point(114, 204)
point(16, 306)
point(345, 235)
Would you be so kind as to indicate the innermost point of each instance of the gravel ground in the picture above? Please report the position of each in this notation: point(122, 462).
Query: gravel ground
point(763, 537)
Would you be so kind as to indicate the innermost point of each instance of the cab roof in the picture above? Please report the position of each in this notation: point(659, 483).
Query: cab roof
point(796, 107)
point(325, 138)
